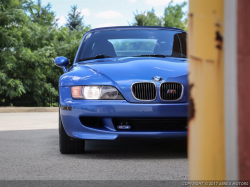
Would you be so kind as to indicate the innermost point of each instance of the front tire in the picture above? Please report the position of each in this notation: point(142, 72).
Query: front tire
point(67, 145)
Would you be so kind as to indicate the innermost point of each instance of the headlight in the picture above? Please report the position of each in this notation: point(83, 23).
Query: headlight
point(96, 92)
point(91, 92)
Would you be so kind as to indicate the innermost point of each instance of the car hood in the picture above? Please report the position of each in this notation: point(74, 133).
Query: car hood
point(123, 72)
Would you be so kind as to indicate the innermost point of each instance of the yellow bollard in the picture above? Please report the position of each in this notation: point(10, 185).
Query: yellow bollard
point(206, 142)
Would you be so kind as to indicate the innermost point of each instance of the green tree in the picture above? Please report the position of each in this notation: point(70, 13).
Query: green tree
point(68, 41)
point(29, 43)
point(74, 19)
point(42, 15)
point(13, 24)
point(26, 52)
point(174, 15)
point(147, 18)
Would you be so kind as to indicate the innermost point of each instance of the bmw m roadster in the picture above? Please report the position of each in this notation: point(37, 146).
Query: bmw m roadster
point(125, 82)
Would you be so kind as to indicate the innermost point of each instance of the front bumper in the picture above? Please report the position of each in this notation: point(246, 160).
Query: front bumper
point(108, 110)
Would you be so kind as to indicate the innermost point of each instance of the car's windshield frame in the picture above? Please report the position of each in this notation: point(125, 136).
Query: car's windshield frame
point(78, 59)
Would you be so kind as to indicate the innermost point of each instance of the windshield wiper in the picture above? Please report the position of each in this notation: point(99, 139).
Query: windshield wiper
point(153, 55)
point(94, 57)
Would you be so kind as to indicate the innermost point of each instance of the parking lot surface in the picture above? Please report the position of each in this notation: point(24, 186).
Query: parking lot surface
point(29, 151)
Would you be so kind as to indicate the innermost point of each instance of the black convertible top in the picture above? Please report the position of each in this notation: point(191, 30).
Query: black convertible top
point(135, 27)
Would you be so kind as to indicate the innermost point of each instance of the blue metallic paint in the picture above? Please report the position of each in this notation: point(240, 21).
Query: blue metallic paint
point(109, 109)
point(121, 73)
point(62, 62)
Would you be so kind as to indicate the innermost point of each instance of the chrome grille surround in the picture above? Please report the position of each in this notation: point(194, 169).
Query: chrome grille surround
point(173, 85)
point(144, 91)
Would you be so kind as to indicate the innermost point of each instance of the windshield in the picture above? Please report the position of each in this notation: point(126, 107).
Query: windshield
point(127, 43)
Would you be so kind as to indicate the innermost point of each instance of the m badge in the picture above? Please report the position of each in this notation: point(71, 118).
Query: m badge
point(171, 91)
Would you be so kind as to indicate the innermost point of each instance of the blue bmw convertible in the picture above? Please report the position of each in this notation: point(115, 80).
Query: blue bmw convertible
point(125, 82)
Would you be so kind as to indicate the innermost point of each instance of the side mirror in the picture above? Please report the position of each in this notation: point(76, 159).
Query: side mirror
point(62, 62)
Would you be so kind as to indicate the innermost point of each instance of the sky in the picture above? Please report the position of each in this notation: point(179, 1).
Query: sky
point(104, 13)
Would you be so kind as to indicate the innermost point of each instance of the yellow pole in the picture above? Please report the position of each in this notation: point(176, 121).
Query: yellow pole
point(206, 105)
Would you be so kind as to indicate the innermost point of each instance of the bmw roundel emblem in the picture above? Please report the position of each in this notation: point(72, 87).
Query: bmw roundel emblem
point(157, 78)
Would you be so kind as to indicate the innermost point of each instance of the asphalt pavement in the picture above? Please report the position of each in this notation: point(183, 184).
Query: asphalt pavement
point(29, 151)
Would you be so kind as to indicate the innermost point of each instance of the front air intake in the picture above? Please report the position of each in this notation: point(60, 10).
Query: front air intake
point(151, 124)
point(170, 91)
point(145, 91)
